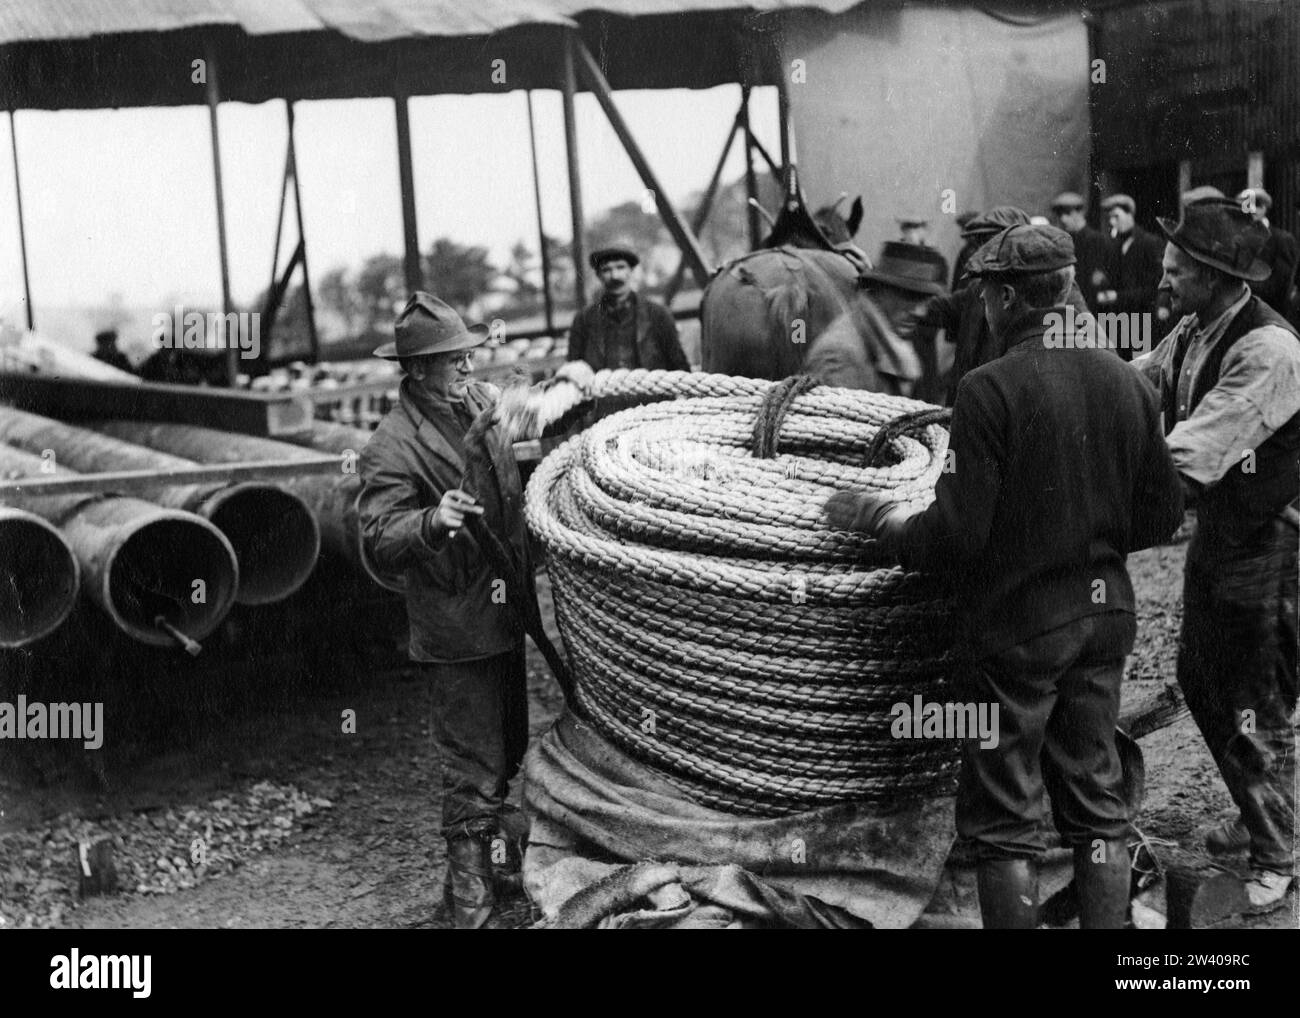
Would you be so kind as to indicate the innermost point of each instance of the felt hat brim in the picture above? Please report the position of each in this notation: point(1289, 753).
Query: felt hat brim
point(473, 336)
point(926, 287)
point(1256, 273)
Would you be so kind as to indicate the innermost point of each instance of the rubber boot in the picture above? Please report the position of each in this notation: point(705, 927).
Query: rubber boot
point(1008, 894)
point(469, 891)
point(1103, 875)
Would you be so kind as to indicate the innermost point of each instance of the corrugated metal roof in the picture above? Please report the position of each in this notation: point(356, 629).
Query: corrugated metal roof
point(360, 20)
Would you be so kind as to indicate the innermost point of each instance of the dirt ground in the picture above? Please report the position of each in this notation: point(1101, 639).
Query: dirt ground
point(264, 812)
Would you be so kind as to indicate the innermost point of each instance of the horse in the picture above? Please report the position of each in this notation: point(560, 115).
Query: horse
point(761, 313)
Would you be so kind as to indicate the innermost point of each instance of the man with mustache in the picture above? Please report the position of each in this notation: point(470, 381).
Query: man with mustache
point(1229, 382)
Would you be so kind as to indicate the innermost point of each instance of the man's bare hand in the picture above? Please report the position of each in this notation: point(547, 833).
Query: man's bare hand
point(450, 515)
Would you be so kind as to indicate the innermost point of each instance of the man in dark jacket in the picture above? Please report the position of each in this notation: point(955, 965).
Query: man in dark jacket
point(423, 508)
point(1229, 379)
point(961, 314)
point(1134, 265)
point(1059, 471)
point(1280, 253)
point(1090, 246)
point(622, 329)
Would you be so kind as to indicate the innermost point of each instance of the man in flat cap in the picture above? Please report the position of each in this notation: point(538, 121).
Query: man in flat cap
point(1280, 253)
point(1090, 246)
point(1060, 470)
point(1134, 265)
point(622, 329)
point(423, 509)
point(1229, 382)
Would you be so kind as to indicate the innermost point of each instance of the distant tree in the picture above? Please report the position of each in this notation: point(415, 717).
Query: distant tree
point(381, 289)
point(336, 292)
point(459, 274)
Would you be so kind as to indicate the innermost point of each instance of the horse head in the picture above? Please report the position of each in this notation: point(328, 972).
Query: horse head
point(839, 230)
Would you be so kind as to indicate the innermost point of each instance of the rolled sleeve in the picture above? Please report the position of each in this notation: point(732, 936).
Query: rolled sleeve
point(1258, 391)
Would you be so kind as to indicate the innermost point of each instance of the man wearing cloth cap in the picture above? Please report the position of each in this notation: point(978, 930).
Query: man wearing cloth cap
point(1134, 265)
point(1090, 246)
point(622, 329)
point(1060, 471)
point(1229, 382)
point(420, 508)
point(1280, 253)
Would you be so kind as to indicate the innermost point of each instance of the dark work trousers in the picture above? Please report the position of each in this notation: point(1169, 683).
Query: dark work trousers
point(1058, 700)
point(480, 731)
point(1237, 670)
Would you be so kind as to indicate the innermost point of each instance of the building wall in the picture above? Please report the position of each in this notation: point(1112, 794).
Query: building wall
point(1206, 82)
point(902, 104)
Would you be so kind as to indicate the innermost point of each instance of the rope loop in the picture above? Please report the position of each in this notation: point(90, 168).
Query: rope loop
point(772, 410)
point(902, 425)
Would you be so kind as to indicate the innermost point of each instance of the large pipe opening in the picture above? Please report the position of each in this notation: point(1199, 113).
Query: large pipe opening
point(39, 578)
point(275, 537)
point(182, 570)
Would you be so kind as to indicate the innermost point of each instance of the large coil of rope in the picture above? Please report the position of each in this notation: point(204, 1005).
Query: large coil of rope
point(715, 627)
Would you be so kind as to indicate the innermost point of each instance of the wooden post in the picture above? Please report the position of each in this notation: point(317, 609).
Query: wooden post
point(751, 182)
point(214, 97)
point(569, 88)
point(411, 260)
point(22, 232)
point(312, 339)
point(681, 232)
point(706, 207)
point(788, 156)
point(541, 229)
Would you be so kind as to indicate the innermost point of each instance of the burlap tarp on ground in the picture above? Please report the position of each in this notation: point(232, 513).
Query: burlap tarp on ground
point(596, 814)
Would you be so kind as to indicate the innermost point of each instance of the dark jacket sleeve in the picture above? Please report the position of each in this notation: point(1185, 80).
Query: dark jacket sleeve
point(955, 527)
point(1142, 277)
point(394, 524)
point(578, 337)
point(1158, 494)
point(1281, 254)
point(670, 346)
point(943, 311)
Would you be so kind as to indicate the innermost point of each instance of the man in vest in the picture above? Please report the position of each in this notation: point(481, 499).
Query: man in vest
point(1229, 383)
point(622, 329)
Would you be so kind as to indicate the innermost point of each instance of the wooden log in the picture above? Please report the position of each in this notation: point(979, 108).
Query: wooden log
point(1154, 712)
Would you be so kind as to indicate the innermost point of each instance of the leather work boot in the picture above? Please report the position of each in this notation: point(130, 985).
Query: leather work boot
point(1266, 890)
point(1103, 886)
point(469, 891)
point(1230, 836)
point(1008, 894)
point(508, 848)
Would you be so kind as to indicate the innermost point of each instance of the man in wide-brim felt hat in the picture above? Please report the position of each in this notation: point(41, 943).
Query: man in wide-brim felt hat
point(1229, 382)
point(422, 503)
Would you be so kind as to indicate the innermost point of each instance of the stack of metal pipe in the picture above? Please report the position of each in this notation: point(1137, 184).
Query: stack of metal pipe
point(167, 566)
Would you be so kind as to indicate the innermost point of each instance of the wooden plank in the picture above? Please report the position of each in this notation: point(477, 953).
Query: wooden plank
point(126, 481)
point(254, 413)
point(1155, 712)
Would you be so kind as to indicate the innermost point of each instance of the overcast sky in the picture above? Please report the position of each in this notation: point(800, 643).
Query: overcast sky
point(121, 201)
